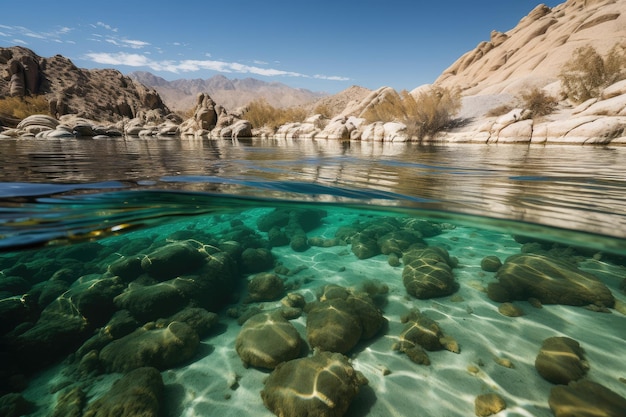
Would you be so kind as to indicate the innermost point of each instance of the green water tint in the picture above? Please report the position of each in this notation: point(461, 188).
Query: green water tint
point(420, 311)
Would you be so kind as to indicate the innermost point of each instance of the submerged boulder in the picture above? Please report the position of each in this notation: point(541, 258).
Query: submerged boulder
point(138, 393)
point(421, 333)
point(549, 280)
point(266, 287)
point(268, 339)
point(428, 273)
point(340, 319)
point(586, 399)
point(321, 385)
point(561, 360)
point(158, 348)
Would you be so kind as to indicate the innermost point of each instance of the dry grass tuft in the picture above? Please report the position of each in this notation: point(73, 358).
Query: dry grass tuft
point(262, 114)
point(587, 72)
point(22, 107)
point(538, 102)
point(425, 115)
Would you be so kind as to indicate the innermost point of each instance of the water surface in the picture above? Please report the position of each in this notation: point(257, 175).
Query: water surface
point(72, 210)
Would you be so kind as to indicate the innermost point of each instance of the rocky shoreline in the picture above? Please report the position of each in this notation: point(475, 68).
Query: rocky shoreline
point(597, 121)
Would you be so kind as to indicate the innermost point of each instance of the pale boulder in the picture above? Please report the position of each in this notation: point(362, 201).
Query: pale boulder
point(374, 132)
point(521, 131)
point(395, 132)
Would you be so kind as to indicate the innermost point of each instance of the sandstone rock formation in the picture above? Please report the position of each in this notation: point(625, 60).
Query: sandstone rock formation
point(104, 95)
point(532, 54)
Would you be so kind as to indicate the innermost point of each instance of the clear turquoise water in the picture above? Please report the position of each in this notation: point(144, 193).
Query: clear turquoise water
point(70, 209)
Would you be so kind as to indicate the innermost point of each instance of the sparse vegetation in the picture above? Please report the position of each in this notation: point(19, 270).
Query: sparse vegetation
point(22, 107)
point(428, 113)
point(262, 114)
point(587, 72)
point(538, 102)
point(500, 110)
point(324, 110)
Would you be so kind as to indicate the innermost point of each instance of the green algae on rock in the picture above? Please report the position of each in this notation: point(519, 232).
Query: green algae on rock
point(561, 360)
point(266, 340)
point(587, 398)
point(341, 318)
point(428, 273)
point(320, 385)
point(550, 280)
point(138, 393)
point(158, 348)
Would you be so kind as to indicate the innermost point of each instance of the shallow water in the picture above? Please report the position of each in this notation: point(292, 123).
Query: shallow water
point(70, 209)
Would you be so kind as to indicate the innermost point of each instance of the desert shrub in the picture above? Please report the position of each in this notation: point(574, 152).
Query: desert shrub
point(435, 109)
point(22, 107)
point(428, 113)
point(587, 72)
point(262, 114)
point(324, 110)
point(391, 108)
point(538, 102)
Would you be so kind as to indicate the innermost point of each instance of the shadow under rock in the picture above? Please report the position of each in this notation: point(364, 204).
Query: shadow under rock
point(173, 398)
point(362, 403)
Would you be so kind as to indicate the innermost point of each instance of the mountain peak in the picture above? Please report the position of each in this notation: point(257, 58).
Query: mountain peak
point(230, 93)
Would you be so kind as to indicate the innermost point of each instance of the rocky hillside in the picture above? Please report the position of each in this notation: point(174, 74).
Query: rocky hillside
point(181, 94)
point(533, 53)
point(98, 94)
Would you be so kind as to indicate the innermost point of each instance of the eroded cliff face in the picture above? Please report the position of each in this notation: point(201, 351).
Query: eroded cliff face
point(99, 94)
point(533, 53)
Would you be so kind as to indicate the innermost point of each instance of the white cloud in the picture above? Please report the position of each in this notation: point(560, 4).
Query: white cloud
point(105, 26)
point(4, 34)
point(20, 41)
point(190, 65)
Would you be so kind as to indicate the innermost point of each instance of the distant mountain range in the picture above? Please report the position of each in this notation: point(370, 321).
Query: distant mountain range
point(181, 94)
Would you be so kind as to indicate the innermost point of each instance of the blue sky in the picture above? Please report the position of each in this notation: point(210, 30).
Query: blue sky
point(322, 45)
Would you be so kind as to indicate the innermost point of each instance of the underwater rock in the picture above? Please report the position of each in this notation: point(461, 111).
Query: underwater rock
point(488, 404)
point(14, 405)
point(370, 317)
point(158, 348)
point(428, 273)
point(212, 285)
point(266, 287)
point(59, 331)
point(14, 311)
point(490, 263)
point(173, 259)
point(332, 326)
point(321, 385)
point(277, 237)
point(399, 241)
point(340, 319)
point(94, 298)
point(70, 403)
point(585, 399)
point(256, 260)
point(510, 310)
point(199, 319)
point(421, 332)
point(128, 268)
point(138, 393)
point(150, 302)
point(267, 339)
point(551, 281)
point(13, 284)
point(120, 324)
point(364, 246)
point(560, 360)
point(290, 226)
